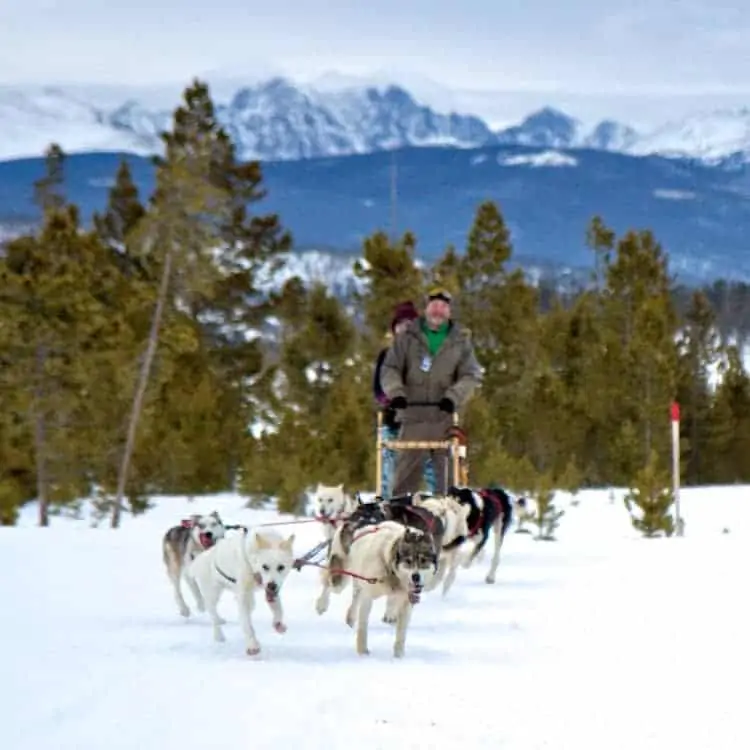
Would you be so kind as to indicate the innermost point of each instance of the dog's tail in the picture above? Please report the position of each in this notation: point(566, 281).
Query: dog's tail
point(167, 554)
point(335, 576)
point(507, 508)
point(339, 551)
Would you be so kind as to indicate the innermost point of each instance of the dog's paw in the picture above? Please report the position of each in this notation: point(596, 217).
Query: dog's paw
point(398, 652)
point(321, 605)
point(200, 606)
point(279, 627)
point(363, 652)
point(489, 579)
point(252, 650)
point(219, 636)
point(389, 619)
point(185, 611)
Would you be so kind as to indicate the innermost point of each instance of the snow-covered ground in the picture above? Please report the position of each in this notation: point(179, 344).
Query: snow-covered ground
point(599, 640)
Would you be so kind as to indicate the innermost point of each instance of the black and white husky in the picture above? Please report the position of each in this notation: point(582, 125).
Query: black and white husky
point(491, 509)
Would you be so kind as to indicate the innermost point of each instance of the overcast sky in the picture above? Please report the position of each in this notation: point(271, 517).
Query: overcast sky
point(584, 46)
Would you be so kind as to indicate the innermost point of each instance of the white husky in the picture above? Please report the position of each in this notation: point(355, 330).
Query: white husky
point(332, 506)
point(454, 517)
point(244, 562)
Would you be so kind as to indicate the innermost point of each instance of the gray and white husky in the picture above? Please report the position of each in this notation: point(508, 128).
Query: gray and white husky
point(182, 544)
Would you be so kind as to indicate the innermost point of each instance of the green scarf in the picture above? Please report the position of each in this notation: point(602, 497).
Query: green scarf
point(435, 339)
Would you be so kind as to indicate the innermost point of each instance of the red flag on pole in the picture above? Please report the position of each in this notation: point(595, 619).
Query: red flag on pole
point(674, 410)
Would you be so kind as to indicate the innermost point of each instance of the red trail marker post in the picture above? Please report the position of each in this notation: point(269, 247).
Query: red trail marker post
point(674, 413)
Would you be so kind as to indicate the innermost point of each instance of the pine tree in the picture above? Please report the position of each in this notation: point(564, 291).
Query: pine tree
point(499, 308)
point(728, 433)
point(546, 515)
point(123, 213)
point(699, 353)
point(185, 225)
point(49, 190)
point(56, 321)
point(653, 498)
point(446, 272)
point(640, 358)
point(252, 248)
point(314, 399)
point(391, 276)
point(134, 274)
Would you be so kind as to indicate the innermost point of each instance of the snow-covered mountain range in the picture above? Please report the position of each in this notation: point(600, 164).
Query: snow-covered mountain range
point(280, 120)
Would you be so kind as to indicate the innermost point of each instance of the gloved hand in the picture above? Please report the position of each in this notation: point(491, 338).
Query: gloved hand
point(446, 405)
point(398, 403)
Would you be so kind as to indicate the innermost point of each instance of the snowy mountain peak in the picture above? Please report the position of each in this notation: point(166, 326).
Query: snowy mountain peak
point(609, 135)
point(711, 136)
point(551, 128)
point(278, 119)
point(546, 127)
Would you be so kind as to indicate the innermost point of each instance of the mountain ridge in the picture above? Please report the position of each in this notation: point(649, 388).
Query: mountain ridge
point(279, 119)
point(700, 213)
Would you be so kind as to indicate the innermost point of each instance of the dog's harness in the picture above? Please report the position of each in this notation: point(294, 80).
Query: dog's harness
point(424, 514)
point(332, 520)
point(307, 559)
point(486, 495)
point(256, 576)
point(229, 578)
point(224, 575)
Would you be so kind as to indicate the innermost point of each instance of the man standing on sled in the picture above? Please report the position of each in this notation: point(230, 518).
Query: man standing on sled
point(431, 361)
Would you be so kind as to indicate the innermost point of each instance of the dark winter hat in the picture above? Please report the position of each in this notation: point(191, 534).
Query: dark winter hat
point(439, 292)
point(404, 311)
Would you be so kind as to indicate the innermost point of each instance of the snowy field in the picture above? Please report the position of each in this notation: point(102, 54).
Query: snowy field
point(599, 640)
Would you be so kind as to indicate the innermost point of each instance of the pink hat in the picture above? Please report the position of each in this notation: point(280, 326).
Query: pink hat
point(404, 311)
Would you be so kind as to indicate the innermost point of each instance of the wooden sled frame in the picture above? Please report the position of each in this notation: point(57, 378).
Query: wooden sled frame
point(455, 443)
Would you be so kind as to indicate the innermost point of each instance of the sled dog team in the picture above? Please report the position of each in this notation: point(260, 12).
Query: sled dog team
point(397, 548)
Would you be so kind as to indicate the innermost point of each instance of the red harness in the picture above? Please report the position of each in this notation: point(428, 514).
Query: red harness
point(365, 532)
point(485, 495)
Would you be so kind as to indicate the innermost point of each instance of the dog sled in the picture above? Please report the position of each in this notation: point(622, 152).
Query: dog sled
point(455, 442)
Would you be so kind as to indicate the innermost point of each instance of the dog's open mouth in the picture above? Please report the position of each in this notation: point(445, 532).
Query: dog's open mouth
point(206, 540)
point(415, 594)
point(272, 593)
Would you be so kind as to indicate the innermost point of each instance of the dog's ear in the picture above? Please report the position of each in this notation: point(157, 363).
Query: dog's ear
point(260, 541)
point(215, 514)
point(288, 544)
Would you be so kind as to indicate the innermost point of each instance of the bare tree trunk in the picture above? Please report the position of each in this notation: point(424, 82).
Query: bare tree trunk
point(148, 359)
point(40, 441)
point(648, 436)
point(41, 467)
